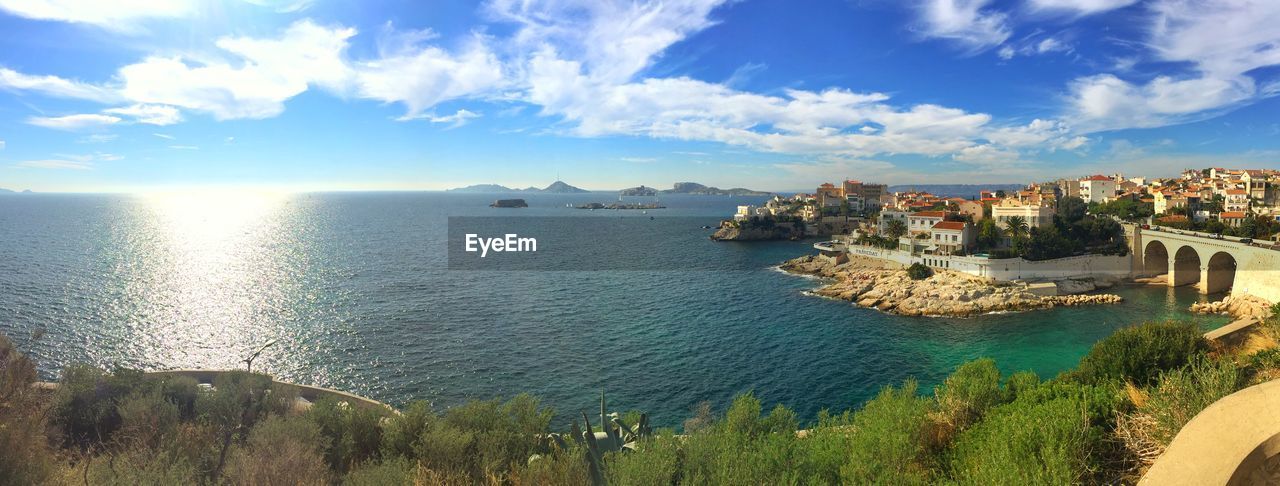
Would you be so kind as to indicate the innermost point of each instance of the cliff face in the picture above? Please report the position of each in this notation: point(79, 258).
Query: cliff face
point(754, 233)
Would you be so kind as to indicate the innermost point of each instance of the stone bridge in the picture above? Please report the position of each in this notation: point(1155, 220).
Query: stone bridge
point(1212, 264)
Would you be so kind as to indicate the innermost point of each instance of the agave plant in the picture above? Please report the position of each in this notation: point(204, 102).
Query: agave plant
point(615, 435)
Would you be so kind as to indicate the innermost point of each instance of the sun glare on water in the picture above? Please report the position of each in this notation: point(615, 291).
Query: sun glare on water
point(212, 277)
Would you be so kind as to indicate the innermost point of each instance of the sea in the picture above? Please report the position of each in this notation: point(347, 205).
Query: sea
point(355, 291)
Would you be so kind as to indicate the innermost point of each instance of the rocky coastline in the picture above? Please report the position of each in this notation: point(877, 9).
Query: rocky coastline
point(885, 286)
point(1242, 306)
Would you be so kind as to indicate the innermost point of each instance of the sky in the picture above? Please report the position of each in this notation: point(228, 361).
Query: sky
point(137, 95)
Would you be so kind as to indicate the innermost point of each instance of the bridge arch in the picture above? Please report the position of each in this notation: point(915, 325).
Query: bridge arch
point(1220, 273)
point(1155, 259)
point(1186, 267)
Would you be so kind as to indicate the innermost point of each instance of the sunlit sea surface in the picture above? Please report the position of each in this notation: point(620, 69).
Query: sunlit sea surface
point(355, 288)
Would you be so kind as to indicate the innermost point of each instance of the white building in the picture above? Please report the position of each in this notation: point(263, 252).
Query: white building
point(952, 237)
point(923, 221)
point(1034, 215)
point(1097, 188)
point(888, 215)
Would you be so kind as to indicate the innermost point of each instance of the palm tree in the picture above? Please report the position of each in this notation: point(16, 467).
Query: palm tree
point(895, 229)
point(1016, 225)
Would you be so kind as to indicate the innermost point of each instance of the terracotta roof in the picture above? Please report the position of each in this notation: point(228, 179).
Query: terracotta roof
point(1096, 178)
point(950, 225)
point(1231, 215)
point(1236, 192)
point(931, 214)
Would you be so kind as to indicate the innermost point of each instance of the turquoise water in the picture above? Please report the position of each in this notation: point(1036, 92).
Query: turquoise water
point(356, 290)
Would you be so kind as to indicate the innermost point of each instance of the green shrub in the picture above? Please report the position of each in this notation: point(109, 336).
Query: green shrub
point(888, 442)
point(401, 432)
point(965, 395)
point(183, 392)
point(656, 460)
point(500, 433)
point(352, 434)
point(387, 472)
point(146, 419)
point(918, 271)
point(25, 455)
point(1140, 353)
point(1043, 443)
point(1182, 393)
point(744, 448)
point(280, 451)
point(85, 406)
point(1019, 383)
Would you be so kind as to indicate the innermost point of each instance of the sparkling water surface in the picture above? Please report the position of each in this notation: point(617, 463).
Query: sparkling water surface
point(355, 288)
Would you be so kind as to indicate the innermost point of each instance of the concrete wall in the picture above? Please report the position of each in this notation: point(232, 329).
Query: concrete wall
point(1100, 266)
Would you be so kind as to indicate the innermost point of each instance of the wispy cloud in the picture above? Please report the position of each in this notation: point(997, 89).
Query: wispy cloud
point(73, 122)
point(967, 22)
point(459, 118)
point(97, 138)
point(53, 164)
point(184, 147)
point(165, 136)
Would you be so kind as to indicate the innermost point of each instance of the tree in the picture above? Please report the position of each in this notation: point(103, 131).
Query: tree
point(895, 229)
point(1071, 209)
point(1016, 225)
point(988, 234)
point(845, 209)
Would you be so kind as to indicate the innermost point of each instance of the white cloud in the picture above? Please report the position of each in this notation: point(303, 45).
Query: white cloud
point(149, 114)
point(97, 138)
point(423, 77)
point(267, 73)
point(1104, 102)
point(53, 164)
point(165, 136)
point(2, 144)
point(455, 120)
point(283, 6)
point(614, 39)
point(55, 86)
point(115, 14)
point(965, 21)
point(1224, 41)
point(184, 147)
point(73, 122)
point(1032, 46)
point(1080, 7)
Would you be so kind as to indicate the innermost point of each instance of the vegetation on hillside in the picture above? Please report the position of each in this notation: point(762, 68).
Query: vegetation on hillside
point(1103, 422)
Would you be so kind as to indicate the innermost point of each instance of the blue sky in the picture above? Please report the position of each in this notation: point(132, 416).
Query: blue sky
point(320, 95)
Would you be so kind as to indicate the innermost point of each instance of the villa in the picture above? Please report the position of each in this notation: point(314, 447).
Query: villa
point(1036, 216)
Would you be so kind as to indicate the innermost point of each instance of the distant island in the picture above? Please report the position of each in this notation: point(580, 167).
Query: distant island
point(557, 187)
point(10, 191)
point(596, 205)
point(509, 203)
point(701, 190)
point(638, 191)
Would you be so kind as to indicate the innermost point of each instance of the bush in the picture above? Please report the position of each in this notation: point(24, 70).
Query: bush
point(25, 456)
point(656, 460)
point(887, 445)
point(1182, 393)
point(352, 434)
point(85, 406)
point(1028, 441)
point(918, 271)
point(280, 451)
point(744, 448)
point(965, 395)
point(386, 472)
point(1140, 353)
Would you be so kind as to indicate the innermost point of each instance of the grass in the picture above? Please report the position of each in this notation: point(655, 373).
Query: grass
point(1103, 422)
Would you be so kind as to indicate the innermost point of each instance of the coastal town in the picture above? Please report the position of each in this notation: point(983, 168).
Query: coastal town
point(1038, 247)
